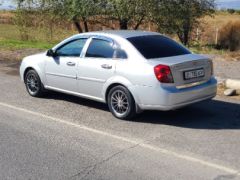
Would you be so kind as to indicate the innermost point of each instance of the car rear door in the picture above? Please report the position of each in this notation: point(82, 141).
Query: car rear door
point(61, 71)
point(96, 67)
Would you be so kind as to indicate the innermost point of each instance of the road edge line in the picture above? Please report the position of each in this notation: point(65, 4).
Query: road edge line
point(128, 140)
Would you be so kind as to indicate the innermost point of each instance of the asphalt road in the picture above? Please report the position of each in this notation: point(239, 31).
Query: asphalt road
point(66, 137)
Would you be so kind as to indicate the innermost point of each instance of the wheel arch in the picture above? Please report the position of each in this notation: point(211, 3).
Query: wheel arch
point(110, 87)
point(25, 72)
point(125, 83)
point(35, 69)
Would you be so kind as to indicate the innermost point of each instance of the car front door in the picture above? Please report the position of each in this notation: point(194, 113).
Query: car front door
point(61, 70)
point(96, 67)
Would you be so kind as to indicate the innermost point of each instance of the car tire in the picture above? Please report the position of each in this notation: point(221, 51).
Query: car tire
point(121, 103)
point(33, 84)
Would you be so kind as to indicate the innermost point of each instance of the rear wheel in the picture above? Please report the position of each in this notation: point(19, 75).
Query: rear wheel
point(33, 84)
point(121, 103)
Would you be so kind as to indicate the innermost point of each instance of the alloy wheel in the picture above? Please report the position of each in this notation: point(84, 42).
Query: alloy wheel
point(32, 83)
point(119, 102)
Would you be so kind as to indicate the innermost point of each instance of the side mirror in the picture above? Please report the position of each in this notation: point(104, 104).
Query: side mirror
point(120, 54)
point(51, 53)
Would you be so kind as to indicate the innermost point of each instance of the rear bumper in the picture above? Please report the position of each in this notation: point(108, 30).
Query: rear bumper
point(168, 98)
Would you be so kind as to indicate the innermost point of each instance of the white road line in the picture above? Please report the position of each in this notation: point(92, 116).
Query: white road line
point(129, 140)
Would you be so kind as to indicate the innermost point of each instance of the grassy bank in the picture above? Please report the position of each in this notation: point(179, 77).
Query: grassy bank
point(10, 40)
point(39, 38)
point(18, 44)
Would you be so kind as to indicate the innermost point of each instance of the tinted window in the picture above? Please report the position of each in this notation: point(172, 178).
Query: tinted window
point(100, 49)
point(72, 49)
point(157, 46)
point(120, 54)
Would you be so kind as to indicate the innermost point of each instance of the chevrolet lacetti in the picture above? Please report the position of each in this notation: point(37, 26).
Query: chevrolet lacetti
point(131, 71)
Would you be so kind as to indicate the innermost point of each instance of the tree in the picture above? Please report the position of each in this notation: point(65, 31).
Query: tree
point(23, 17)
point(180, 16)
point(127, 11)
point(78, 10)
point(73, 10)
point(231, 11)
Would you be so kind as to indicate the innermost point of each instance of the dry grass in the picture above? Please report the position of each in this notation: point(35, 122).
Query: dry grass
point(220, 90)
point(8, 31)
point(6, 14)
point(235, 56)
point(231, 56)
point(220, 19)
point(229, 36)
point(11, 33)
point(6, 17)
point(210, 25)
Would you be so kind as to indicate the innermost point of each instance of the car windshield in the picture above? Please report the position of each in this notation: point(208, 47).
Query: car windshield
point(157, 46)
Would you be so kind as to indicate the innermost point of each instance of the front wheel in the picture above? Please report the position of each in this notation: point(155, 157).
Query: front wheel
point(121, 103)
point(33, 84)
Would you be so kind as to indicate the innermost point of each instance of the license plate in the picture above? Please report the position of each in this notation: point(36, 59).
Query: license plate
point(194, 74)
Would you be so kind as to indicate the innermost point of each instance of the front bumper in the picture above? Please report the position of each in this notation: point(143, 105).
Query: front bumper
point(169, 98)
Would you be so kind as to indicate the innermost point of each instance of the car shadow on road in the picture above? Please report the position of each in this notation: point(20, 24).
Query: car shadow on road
point(76, 100)
point(213, 114)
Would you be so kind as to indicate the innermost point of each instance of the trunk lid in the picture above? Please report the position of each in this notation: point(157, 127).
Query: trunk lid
point(185, 67)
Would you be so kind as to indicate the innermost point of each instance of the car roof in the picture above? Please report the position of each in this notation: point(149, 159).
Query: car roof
point(122, 33)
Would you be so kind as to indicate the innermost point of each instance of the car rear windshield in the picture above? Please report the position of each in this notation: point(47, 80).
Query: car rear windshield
point(157, 46)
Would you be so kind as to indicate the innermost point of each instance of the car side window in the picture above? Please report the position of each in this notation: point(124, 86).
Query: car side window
point(120, 54)
point(100, 49)
point(72, 49)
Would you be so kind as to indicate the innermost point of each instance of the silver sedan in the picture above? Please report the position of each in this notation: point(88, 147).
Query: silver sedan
point(131, 71)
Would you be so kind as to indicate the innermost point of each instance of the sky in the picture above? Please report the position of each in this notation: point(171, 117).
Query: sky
point(7, 4)
point(227, 4)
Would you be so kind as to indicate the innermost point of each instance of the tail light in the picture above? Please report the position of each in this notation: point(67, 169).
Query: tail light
point(163, 73)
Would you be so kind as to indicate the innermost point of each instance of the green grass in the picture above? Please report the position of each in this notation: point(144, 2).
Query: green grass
point(39, 38)
point(10, 38)
point(18, 44)
point(207, 49)
point(8, 31)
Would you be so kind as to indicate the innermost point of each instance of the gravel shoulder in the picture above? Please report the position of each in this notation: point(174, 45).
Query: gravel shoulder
point(226, 69)
point(17, 55)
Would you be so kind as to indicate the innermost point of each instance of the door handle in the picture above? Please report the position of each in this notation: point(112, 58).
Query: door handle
point(106, 66)
point(71, 63)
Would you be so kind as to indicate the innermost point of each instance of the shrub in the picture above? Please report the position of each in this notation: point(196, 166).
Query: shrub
point(230, 36)
point(231, 11)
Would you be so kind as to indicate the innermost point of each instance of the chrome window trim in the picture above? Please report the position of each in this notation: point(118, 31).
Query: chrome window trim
point(98, 38)
point(70, 41)
point(114, 45)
